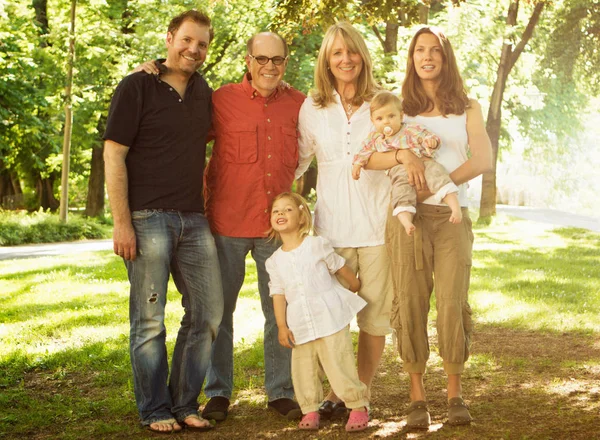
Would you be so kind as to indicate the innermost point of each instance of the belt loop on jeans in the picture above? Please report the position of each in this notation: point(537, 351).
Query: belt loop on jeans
point(418, 241)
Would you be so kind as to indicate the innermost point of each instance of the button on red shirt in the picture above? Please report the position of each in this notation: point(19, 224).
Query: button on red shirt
point(254, 156)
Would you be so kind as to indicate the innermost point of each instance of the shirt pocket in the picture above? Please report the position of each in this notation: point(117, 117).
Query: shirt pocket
point(241, 145)
point(290, 146)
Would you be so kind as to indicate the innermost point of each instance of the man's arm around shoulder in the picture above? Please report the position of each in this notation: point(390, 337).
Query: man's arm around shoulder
point(124, 243)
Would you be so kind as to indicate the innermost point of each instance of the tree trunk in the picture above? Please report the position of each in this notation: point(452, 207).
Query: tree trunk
point(508, 58)
point(44, 187)
point(11, 194)
point(423, 13)
point(94, 206)
point(391, 37)
point(41, 17)
point(68, 129)
point(392, 26)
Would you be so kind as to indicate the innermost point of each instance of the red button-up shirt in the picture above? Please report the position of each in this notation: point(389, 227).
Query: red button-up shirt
point(254, 156)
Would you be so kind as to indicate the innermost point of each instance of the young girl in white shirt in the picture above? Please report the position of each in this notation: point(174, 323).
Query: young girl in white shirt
point(313, 312)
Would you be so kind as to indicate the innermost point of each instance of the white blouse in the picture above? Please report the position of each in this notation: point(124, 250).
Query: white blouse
point(317, 304)
point(348, 212)
point(452, 130)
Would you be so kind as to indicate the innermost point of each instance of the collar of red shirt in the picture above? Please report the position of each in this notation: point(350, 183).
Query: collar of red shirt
point(252, 92)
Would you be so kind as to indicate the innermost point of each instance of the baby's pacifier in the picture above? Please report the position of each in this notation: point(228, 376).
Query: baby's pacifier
point(388, 130)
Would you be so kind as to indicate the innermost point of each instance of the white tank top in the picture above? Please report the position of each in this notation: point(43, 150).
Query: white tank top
point(452, 130)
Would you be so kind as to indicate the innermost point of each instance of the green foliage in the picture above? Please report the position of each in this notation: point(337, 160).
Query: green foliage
point(554, 77)
point(43, 227)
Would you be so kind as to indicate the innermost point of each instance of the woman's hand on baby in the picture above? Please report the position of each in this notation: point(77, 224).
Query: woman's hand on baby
point(286, 337)
point(415, 170)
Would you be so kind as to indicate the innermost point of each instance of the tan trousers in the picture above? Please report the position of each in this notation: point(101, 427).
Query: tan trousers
point(372, 263)
point(334, 356)
point(440, 251)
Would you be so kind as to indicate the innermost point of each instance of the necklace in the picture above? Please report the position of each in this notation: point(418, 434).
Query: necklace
point(347, 107)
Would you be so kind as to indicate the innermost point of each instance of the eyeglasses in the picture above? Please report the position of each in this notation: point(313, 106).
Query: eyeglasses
point(262, 60)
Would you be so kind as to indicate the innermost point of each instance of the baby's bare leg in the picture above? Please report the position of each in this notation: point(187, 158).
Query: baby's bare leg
point(452, 201)
point(406, 218)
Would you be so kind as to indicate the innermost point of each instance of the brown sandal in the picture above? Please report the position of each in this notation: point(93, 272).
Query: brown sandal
point(418, 416)
point(458, 412)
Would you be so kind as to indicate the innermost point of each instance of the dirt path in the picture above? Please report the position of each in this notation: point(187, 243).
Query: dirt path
point(519, 384)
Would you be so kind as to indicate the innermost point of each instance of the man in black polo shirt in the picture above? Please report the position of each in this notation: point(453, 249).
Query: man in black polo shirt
point(154, 154)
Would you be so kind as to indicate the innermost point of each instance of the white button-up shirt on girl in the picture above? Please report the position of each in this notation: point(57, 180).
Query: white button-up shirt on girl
point(317, 304)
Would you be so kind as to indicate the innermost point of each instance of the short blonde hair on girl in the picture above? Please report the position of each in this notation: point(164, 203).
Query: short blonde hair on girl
point(366, 85)
point(305, 215)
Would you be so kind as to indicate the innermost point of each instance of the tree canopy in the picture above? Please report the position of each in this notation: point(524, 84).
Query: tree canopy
point(545, 95)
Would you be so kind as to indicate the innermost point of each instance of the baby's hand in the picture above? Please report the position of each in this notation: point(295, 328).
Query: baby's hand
point(430, 144)
point(286, 337)
point(356, 172)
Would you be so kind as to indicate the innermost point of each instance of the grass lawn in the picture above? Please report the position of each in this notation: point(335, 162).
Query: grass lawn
point(534, 372)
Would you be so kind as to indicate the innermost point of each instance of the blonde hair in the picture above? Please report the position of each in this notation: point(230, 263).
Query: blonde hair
point(325, 81)
point(305, 215)
point(383, 98)
point(450, 97)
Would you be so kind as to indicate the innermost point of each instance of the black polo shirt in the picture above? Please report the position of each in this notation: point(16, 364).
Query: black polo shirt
point(166, 136)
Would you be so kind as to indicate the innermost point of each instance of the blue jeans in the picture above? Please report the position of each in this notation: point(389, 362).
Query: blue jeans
point(232, 258)
point(177, 243)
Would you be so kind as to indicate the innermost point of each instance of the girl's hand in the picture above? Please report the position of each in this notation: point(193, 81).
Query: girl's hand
point(349, 278)
point(286, 337)
point(355, 285)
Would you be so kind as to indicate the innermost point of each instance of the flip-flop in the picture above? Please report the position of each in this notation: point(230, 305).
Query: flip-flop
point(418, 416)
point(458, 412)
point(166, 421)
point(197, 428)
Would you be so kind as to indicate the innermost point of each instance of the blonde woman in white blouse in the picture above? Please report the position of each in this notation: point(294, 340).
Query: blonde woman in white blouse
point(351, 214)
point(313, 312)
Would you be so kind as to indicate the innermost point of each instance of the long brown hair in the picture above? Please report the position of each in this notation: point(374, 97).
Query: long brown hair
point(450, 96)
point(325, 81)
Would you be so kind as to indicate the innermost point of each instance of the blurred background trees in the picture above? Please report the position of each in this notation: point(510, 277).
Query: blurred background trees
point(542, 117)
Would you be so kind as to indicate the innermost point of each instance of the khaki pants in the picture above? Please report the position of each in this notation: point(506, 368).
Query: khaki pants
point(437, 250)
point(372, 263)
point(334, 356)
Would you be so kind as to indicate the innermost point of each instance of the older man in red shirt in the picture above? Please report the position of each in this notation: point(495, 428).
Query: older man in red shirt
point(254, 158)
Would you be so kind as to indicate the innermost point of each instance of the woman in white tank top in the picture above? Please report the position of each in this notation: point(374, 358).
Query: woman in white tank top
point(439, 252)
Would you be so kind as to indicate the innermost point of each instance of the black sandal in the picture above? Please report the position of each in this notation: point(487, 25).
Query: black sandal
point(333, 410)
